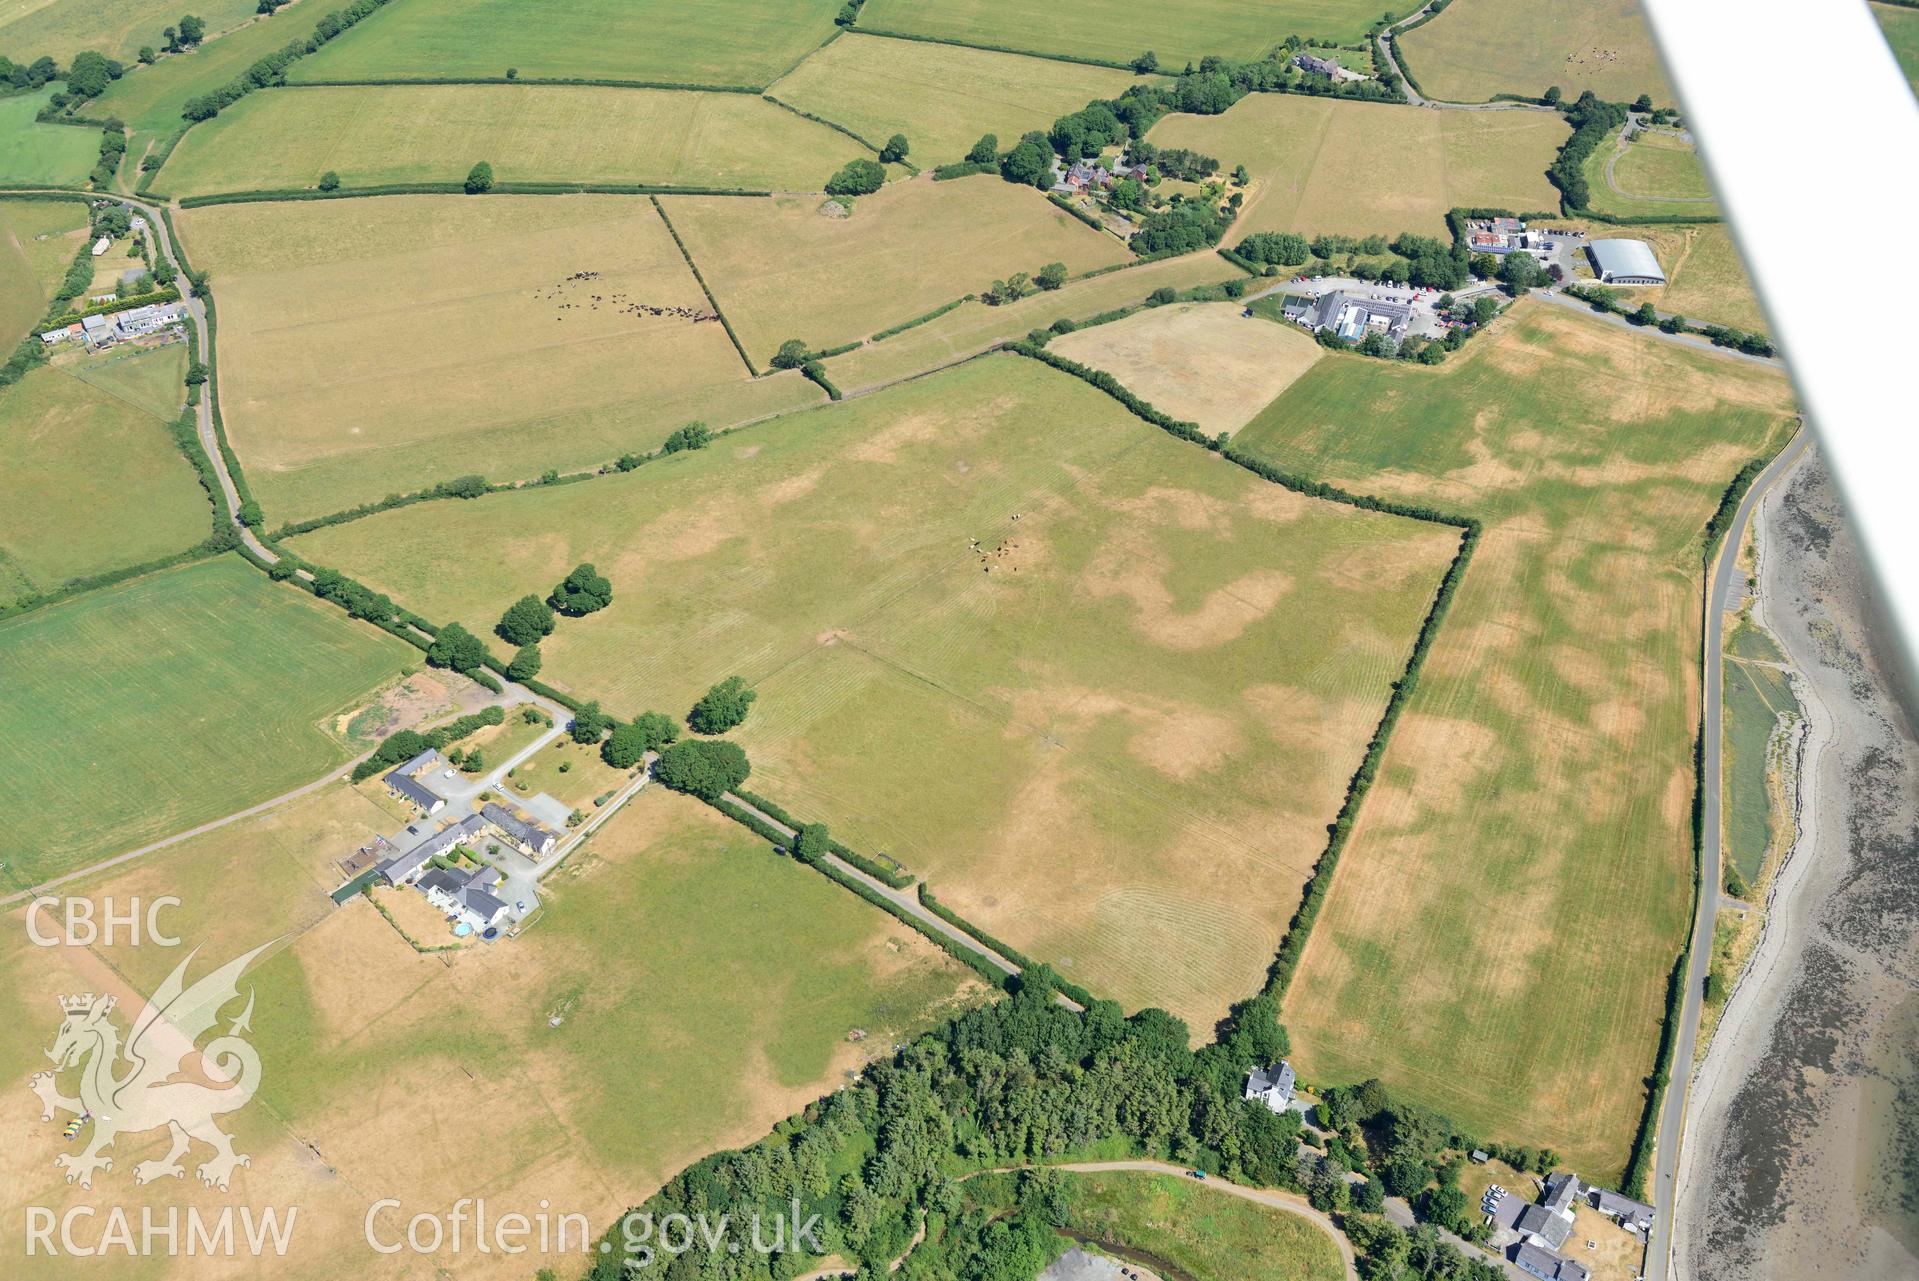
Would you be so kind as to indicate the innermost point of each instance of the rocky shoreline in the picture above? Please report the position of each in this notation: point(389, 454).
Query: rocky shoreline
point(1801, 1154)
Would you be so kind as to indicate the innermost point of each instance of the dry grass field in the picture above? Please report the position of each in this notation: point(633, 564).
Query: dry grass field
point(1705, 278)
point(782, 269)
point(62, 28)
point(973, 327)
point(1498, 936)
point(93, 479)
point(705, 987)
point(438, 336)
point(1104, 689)
point(943, 97)
point(746, 43)
point(372, 134)
point(38, 238)
point(1359, 168)
point(1204, 362)
point(1119, 31)
point(1478, 48)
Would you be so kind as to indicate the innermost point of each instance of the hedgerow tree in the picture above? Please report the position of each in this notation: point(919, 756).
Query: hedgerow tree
point(1051, 276)
point(629, 744)
point(192, 30)
point(589, 723)
point(692, 436)
point(526, 662)
point(793, 354)
point(1147, 63)
point(722, 707)
point(861, 177)
point(811, 843)
point(582, 592)
point(329, 181)
point(703, 767)
point(895, 149)
point(479, 179)
point(985, 151)
point(457, 648)
point(526, 620)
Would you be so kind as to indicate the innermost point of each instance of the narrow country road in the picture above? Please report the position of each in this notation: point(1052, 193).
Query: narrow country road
point(1693, 341)
point(1672, 1114)
point(1386, 46)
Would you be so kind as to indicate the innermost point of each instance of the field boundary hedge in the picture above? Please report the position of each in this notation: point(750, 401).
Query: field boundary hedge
point(1060, 982)
point(106, 578)
point(917, 321)
point(834, 125)
point(713, 302)
point(995, 48)
point(895, 877)
point(451, 188)
point(590, 82)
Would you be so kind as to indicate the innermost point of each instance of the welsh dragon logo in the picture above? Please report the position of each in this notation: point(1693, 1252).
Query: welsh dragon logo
point(140, 1086)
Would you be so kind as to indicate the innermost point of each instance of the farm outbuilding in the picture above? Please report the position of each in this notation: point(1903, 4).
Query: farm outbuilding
point(1625, 262)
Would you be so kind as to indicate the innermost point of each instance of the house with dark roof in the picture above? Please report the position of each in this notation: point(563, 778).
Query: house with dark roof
point(1351, 316)
point(1328, 67)
point(1542, 1227)
point(403, 781)
point(530, 837)
point(1272, 1086)
point(1548, 1266)
point(405, 867)
point(465, 892)
point(1634, 1215)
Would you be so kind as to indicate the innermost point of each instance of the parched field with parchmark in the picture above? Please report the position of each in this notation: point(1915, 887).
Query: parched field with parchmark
point(782, 269)
point(1207, 363)
point(1478, 48)
point(1499, 933)
point(440, 336)
point(1365, 168)
point(374, 134)
point(1103, 688)
point(1119, 31)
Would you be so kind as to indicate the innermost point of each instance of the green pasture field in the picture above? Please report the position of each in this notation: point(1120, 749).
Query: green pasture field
point(42, 155)
point(1498, 936)
point(93, 480)
point(1117, 31)
point(152, 379)
point(439, 336)
point(658, 41)
point(1207, 1235)
point(1658, 177)
point(782, 269)
point(1478, 48)
point(742, 976)
point(1902, 33)
point(529, 133)
point(150, 100)
point(1112, 729)
point(62, 28)
point(143, 709)
point(1360, 168)
point(942, 97)
point(1758, 695)
point(1705, 279)
point(38, 239)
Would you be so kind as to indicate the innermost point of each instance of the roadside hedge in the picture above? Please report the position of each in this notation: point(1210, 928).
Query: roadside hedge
point(1729, 504)
point(893, 877)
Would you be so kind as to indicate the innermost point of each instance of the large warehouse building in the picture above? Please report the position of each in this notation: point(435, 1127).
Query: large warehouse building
point(1625, 262)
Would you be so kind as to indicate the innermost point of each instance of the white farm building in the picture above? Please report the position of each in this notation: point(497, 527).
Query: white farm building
point(1625, 262)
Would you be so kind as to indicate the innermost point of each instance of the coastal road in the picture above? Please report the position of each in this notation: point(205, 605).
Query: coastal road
point(1672, 1115)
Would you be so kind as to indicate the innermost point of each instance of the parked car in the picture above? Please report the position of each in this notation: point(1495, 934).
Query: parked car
point(1196, 1174)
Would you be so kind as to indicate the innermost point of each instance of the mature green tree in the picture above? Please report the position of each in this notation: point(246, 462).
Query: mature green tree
point(1030, 163)
point(1147, 63)
point(526, 663)
point(250, 514)
point(1642, 103)
point(706, 768)
point(475, 761)
point(455, 647)
point(1551, 96)
point(1485, 307)
point(1051, 276)
point(629, 744)
point(329, 181)
point(861, 177)
point(192, 30)
point(811, 843)
point(722, 707)
point(694, 435)
point(985, 151)
point(147, 55)
point(793, 354)
point(582, 592)
point(895, 149)
point(1519, 271)
point(89, 74)
point(479, 179)
point(1645, 315)
point(589, 723)
point(526, 620)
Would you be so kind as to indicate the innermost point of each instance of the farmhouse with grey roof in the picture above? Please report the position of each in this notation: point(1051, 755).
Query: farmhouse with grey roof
point(464, 891)
point(531, 837)
point(1548, 1266)
point(1272, 1086)
point(405, 866)
point(1636, 1215)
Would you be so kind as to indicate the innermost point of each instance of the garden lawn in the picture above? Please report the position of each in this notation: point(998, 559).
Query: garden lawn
point(1360, 168)
point(1117, 31)
point(1497, 938)
point(38, 239)
point(1103, 688)
point(141, 710)
point(62, 28)
point(378, 134)
point(42, 155)
point(746, 43)
point(441, 335)
point(942, 97)
point(782, 269)
point(150, 100)
point(94, 481)
point(744, 976)
point(1478, 48)
point(1207, 1234)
